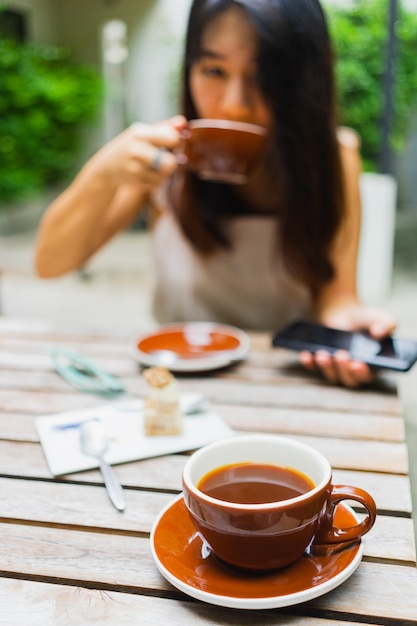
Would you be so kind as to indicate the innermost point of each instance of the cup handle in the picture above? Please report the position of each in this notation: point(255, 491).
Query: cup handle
point(328, 533)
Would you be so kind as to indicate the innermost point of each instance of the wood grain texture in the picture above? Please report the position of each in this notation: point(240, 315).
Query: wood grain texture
point(124, 563)
point(69, 558)
point(88, 507)
point(43, 604)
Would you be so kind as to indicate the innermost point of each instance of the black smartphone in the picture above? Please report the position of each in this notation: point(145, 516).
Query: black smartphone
point(392, 352)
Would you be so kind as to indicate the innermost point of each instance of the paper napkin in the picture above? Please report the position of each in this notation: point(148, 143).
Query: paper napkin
point(124, 424)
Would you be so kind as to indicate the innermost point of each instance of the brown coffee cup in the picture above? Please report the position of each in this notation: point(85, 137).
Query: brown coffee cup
point(279, 522)
point(221, 150)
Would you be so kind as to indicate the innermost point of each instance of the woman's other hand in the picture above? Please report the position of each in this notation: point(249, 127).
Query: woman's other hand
point(340, 367)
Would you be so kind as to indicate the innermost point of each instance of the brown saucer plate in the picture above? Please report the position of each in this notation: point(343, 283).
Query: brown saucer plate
point(199, 346)
point(188, 564)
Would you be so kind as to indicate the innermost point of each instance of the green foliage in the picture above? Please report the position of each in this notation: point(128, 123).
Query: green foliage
point(360, 34)
point(45, 98)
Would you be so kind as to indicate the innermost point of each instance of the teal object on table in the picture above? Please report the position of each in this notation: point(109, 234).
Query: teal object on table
point(84, 374)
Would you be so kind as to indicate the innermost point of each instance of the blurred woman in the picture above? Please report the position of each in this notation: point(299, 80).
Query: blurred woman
point(258, 255)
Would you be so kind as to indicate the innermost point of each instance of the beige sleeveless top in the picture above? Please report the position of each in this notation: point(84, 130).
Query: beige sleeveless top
point(247, 285)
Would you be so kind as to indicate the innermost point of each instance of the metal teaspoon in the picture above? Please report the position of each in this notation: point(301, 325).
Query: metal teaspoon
point(94, 442)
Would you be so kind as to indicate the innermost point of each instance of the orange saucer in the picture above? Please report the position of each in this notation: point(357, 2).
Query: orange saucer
point(193, 346)
point(188, 564)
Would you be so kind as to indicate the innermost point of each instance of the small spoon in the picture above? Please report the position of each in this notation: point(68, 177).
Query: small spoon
point(94, 442)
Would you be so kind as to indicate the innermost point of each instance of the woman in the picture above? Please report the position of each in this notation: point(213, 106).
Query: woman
point(258, 255)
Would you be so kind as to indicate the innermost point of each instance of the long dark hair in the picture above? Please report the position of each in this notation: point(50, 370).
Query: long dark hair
point(295, 74)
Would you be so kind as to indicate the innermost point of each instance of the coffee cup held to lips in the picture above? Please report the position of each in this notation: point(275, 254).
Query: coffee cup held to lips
point(221, 150)
point(259, 501)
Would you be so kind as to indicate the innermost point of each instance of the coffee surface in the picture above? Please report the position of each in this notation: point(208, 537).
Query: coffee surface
point(254, 483)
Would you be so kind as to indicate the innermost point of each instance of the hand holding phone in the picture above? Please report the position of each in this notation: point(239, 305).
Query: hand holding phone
point(391, 352)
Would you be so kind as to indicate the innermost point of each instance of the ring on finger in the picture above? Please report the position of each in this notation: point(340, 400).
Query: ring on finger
point(156, 161)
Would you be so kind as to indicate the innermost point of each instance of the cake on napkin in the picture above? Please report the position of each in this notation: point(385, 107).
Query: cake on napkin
point(162, 412)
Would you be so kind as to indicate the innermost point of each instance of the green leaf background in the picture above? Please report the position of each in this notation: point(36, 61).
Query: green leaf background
point(45, 99)
point(360, 35)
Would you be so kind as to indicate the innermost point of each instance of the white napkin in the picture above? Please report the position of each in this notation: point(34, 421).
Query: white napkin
point(124, 423)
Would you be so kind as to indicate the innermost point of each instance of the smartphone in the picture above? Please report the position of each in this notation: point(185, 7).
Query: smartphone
point(391, 353)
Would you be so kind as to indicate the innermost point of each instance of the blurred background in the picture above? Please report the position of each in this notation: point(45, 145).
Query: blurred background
point(74, 74)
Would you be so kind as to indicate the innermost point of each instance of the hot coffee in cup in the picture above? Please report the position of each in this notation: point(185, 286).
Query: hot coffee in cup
point(221, 150)
point(259, 501)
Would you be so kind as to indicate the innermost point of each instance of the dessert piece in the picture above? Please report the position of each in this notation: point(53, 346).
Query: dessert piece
point(163, 415)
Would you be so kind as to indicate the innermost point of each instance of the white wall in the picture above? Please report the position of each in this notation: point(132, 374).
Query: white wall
point(156, 59)
point(376, 246)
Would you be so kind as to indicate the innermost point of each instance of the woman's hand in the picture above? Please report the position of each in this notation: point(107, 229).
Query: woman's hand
point(106, 195)
point(341, 368)
point(141, 155)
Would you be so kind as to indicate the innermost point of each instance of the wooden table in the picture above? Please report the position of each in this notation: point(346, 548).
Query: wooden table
point(68, 557)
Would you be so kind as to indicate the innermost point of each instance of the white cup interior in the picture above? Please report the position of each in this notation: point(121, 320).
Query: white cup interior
point(269, 449)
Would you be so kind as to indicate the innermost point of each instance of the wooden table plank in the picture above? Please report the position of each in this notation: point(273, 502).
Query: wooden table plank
point(87, 506)
point(230, 393)
point(19, 425)
point(391, 492)
point(314, 422)
point(70, 505)
point(40, 603)
point(280, 394)
point(366, 456)
point(44, 402)
point(124, 563)
point(27, 460)
point(257, 368)
point(59, 536)
point(379, 544)
point(375, 590)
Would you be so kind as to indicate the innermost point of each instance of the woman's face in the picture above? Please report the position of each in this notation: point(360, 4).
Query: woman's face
point(223, 80)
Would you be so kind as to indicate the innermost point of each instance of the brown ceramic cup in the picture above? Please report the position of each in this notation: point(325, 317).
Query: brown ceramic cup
point(270, 535)
point(221, 150)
